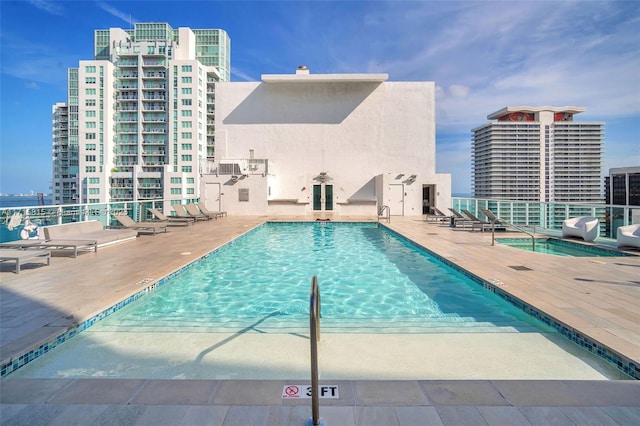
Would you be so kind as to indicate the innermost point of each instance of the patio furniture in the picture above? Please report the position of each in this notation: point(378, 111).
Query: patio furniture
point(436, 216)
point(585, 227)
point(172, 220)
point(142, 227)
point(24, 256)
point(192, 210)
point(628, 236)
point(181, 212)
point(206, 211)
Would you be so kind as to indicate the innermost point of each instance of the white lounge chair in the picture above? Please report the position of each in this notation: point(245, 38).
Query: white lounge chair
point(628, 236)
point(172, 220)
point(141, 227)
point(585, 227)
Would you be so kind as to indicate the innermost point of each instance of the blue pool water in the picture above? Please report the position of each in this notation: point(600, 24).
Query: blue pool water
point(370, 281)
point(558, 247)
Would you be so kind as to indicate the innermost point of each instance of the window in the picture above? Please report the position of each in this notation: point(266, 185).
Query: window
point(186, 157)
point(89, 69)
point(94, 191)
point(187, 91)
point(89, 113)
point(186, 102)
point(94, 180)
point(187, 169)
point(90, 158)
point(187, 68)
point(190, 191)
point(187, 146)
point(90, 102)
point(191, 180)
point(187, 80)
point(187, 113)
point(89, 91)
point(176, 191)
point(91, 147)
point(91, 136)
point(186, 124)
point(91, 124)
point(90, 169)
point(176, 180)
point(186, 135)
point(90, 80)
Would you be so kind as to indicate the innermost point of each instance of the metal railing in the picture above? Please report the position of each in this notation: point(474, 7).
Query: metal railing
point(13, 219)
point(495, 219)
point(314, 326)
point(381, 213)
point(547, 218)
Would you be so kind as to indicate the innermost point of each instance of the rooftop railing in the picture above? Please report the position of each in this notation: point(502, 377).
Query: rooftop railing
point(13, 220)
point(547, 218)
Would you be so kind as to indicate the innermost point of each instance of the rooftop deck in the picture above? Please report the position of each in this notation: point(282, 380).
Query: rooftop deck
point(597, 297)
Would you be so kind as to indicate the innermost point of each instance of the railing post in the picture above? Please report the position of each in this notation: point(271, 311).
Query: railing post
point(314, 328)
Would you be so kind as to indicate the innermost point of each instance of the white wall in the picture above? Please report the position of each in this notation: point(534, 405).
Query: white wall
point(353, 130)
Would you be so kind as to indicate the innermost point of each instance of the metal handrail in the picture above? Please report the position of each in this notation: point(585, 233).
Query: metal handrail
point(493, 232)
point(382, 210)
point(314, 325)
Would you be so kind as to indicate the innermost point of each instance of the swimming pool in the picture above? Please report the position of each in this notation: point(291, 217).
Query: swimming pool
point(389, 310)
point(559, 247)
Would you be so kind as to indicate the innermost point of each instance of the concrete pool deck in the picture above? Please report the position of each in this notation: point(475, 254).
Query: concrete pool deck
point(599, 297)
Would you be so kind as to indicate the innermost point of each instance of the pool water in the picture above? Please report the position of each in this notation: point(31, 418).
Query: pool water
point(558, 247)
point(370, 280)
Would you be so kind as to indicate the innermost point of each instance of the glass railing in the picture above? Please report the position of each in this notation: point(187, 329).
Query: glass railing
point(26, 221)
point(548, 217)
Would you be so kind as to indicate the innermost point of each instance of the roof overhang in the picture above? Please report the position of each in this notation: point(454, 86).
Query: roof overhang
point(324, 78)
point(530, 109)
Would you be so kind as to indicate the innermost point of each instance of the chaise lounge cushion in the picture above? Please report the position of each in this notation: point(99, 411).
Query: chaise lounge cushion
point(88, 230)
point(585, 227)
point(628, 236)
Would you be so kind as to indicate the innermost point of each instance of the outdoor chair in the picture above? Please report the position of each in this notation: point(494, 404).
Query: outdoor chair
point(585, 227)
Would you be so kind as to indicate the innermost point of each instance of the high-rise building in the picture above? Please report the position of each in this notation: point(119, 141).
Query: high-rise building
point(538, 154)
point(139, 117)
point(622, 186)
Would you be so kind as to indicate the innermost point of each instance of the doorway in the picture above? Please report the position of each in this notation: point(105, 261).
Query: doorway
point(212, 197)
point(323, 197)
point(395, 199)
point(428, 199)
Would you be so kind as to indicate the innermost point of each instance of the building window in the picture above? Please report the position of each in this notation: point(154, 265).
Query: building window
point(90, 102)
point(191, 180)
point(91, 136)
point(187, 169)
point(187, 102)
point(90, 80)
point(187, 91)
point(90, 147)
point(187, 68)
point(90, 158)
point(186, 124)
point(190, 191)
point(90, 169)
point(187, 80)
point(89, 113)
point(243, 194)
point(91, 124)
point(186, 135)
point(187, 146)
point(186, 157)
point(187, 113)
point(89, 91)
point(89, 69)
point(176, 191)
point(176, 180)
point(94, 191)
point(94, 180)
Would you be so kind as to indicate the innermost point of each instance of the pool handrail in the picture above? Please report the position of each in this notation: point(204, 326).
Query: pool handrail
point(381, 212)
point(314, 325)
point(493, 218)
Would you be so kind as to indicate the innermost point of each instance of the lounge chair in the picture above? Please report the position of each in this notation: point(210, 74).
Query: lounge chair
point(628, 236)
point(181, 212)
point(141, 227)
point(52, 244)
point(585, 227)
point(500, 224)
point(172, 220)
point(477, 222)
point(459, 218)
point(24, 256)
point(193, 211)
point(436, 216)
point(208, 212)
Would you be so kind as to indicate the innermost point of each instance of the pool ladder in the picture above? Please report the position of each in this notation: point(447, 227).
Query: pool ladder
point(314, 328)
point(381, 212)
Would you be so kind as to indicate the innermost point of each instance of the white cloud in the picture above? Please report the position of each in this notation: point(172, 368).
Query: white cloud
point(126, 17)
point(47, 6)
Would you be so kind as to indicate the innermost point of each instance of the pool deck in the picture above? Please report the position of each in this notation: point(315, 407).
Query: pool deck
point(598, 297)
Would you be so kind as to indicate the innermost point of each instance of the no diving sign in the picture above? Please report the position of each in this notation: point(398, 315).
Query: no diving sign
point(304, 391)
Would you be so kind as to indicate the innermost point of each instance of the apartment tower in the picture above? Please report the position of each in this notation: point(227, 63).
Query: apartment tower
point(538, 154)
point(139, 117)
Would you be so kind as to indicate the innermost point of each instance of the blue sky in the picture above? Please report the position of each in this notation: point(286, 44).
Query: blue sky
point(482, 55)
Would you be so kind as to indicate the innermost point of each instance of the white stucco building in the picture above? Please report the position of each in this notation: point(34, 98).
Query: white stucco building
point(308, 143)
